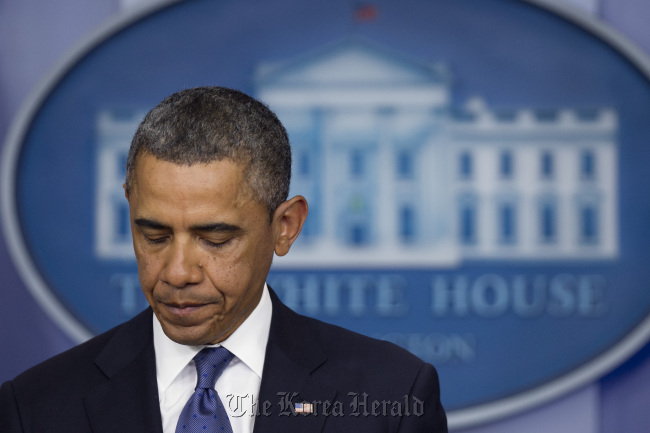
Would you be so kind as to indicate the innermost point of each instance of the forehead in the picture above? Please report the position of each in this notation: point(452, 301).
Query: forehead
point(190, 187)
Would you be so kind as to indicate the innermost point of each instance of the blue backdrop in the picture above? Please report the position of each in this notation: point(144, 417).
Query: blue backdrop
point(528, 64)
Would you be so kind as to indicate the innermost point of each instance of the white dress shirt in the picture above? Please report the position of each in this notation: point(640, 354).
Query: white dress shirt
point(239, 384)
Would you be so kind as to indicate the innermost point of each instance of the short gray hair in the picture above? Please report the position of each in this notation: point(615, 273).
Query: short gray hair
point(207, 124)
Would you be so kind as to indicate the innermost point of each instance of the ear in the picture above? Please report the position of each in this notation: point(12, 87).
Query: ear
point(126, 191)
point(288, 220)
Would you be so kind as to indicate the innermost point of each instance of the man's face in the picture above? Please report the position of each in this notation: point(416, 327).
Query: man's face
point(203, 244)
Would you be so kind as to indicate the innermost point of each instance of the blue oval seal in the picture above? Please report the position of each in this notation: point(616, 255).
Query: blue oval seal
point(475, 171)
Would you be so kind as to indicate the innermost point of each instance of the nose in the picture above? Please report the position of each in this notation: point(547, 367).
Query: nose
point(182, 267)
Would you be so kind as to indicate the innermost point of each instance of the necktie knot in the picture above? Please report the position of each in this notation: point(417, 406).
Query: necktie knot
point(210, 363)
point(204, 412)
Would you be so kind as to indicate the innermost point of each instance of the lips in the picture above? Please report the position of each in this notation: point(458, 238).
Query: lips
point(184, 308)
point(184, 312)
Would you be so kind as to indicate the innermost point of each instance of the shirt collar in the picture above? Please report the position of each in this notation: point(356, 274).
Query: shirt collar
point(247, 343)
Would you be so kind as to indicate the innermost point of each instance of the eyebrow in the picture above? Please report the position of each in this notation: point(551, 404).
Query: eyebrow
point(209, 227)
point(216, 227)
point(150, 224)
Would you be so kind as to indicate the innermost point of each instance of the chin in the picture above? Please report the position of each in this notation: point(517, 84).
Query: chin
point(187, 337)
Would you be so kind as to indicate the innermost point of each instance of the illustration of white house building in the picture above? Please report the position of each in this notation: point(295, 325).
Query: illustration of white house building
point(395, 174)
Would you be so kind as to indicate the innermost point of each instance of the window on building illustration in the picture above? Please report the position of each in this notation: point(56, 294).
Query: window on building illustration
point(507, 223)
point(506, 165)
point(548, 223)
point(465, 165)
point(357, 204)
point(123, 220)
point(304, 164)
point(357, 163)
point(407, 224)
point(468, 222)
point(588, 224)
point(386, 111)
point(121, 166)
point(359, 234)
point(587, 165)
point(405, 164)
point(547, 166)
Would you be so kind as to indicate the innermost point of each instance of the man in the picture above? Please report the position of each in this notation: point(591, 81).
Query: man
point(207, 182)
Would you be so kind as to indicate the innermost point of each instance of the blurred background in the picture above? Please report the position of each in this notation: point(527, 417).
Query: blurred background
point(476, 172)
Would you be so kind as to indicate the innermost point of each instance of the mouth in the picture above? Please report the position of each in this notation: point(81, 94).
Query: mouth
point(185, 309)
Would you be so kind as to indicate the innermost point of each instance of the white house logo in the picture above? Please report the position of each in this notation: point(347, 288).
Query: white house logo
point(477, 201)
point(395, 175)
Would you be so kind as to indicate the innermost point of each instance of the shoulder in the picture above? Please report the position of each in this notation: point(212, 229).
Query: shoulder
point(53, 393)
point(77, 364)
point(350, 355)
point(343, 344)
point(365, 372)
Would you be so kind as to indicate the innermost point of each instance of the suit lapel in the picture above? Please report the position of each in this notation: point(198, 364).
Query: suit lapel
point(292, 358)
point(128, 401)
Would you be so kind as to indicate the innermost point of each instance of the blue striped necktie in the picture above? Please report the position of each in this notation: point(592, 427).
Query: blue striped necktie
point(204, 411)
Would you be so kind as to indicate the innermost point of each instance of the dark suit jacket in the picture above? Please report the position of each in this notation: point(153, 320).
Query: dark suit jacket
point(108, 384)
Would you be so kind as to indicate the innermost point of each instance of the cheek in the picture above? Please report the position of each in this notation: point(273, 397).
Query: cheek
point(148, 270)
point(230, 274)
point(250, 270)
point(225, 273)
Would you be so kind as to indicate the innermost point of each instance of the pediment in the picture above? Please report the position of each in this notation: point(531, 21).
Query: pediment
point(351, 62)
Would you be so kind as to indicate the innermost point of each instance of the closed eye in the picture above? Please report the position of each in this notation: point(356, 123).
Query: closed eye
point(156, 240)
point(212, 244)
point(154, 232)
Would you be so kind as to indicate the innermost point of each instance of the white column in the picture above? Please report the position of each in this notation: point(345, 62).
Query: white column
point(387, 204)
point(328, 182)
